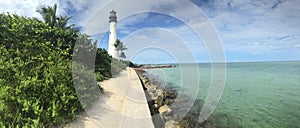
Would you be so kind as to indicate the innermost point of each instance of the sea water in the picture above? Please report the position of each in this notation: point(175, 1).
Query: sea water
point(255, 95)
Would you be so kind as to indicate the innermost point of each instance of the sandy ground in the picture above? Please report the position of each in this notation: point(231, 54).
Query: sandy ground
point(123, 105)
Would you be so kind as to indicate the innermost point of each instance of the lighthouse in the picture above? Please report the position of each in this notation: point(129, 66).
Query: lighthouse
point(112, 50)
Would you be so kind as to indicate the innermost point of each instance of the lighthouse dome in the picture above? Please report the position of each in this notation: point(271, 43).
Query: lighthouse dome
point(112, 16)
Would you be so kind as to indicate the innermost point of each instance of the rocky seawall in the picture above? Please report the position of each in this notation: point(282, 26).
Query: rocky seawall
point(165, 111)
point(157, 66)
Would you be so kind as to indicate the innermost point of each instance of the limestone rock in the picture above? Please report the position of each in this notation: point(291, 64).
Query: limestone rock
point(159, 92)
point(171, 124)
point(164, 109)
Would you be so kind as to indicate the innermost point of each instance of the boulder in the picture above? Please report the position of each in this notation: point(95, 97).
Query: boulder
point(171, 124)
point(164, 109)
point(159, 92)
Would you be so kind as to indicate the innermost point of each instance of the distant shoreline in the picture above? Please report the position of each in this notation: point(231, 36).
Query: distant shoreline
point(223, 62)
point(151, 66)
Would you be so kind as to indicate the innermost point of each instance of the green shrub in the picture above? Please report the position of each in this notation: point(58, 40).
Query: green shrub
point(36, 83)
point(38, 91)
point(85, 84)
point(102, 65)
point(40, 86)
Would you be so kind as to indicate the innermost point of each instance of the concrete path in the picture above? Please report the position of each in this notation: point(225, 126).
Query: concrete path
point(123, 105)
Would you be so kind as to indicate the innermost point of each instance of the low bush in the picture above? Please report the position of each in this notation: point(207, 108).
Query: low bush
point(36, 81)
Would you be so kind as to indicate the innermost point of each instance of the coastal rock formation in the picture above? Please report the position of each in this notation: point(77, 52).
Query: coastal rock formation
point(160, 98)
point(158, 66)
point(171, 124)
point(165, 111)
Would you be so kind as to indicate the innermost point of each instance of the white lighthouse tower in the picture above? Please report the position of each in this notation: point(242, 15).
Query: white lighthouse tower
point(112, 35)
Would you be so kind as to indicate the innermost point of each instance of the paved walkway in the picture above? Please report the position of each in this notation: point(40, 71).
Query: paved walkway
point(123, 105)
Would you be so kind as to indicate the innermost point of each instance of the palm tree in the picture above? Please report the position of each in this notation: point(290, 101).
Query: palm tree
point(120, 47)
point(122, 55)
point(49, 15)
point(117, 44)
point(62, 22)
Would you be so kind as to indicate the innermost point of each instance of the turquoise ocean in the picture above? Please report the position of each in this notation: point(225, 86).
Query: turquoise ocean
point(256, 94)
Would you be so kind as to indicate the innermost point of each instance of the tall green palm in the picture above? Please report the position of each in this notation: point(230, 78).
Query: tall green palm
point(49, 15)
point(122, 47)
point(50, 18)
point(122, 55)
point(62, 21)
point(119, 45)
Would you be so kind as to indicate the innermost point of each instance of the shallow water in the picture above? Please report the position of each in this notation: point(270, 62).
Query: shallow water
point(256, 95)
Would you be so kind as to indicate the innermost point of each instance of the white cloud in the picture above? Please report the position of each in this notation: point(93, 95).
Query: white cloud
point(123, 26)
point(244, 25)
point(247, 22)
point(83, 9)
point(25, 7)
point(159, 39)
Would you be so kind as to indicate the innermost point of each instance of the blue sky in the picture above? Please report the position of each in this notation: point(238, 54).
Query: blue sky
point(249, 30)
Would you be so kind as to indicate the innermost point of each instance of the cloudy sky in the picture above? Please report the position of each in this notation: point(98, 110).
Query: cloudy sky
point(167, 31)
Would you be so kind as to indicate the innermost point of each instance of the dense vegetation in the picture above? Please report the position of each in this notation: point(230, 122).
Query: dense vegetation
point(36, 80)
